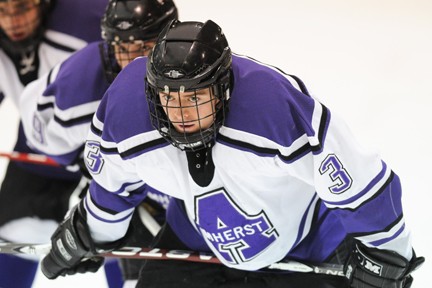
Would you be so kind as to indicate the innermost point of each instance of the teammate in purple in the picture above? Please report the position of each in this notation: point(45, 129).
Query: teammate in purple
point(57, 109)
point(260, 172)
point(35, 35)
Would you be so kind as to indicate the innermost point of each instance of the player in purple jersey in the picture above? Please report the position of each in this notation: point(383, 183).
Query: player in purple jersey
point(261, 172)
point(57, 108)
point(34, 36)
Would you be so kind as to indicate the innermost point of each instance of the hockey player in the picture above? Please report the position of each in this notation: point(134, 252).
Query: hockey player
point(57, 109)
point(34, 36)
point(262, 170)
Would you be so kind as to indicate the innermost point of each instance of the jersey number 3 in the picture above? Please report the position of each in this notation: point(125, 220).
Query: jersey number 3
point(333, 166)
point(93, 158)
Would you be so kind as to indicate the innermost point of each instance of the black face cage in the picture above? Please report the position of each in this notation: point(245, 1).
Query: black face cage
point(109, 55)
point(189, 141)
point(109, 62)
point(30, 43)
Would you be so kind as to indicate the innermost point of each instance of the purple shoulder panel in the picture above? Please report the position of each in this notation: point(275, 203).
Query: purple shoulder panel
point(81, 79)
point(265, 103)
point(79, 18)
point(124, 108)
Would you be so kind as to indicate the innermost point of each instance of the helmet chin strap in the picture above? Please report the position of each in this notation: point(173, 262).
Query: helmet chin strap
point(189, 141)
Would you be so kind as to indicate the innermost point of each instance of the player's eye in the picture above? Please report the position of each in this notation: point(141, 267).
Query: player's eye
point(167, 97)
point(23, 7)
point(122, 49)
point(17, 9)
point(193, 99)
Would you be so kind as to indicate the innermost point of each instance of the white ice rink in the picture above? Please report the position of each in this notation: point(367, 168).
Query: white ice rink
point(369, 61)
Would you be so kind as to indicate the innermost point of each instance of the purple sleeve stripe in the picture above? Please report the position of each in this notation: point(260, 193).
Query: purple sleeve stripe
point(137, 190)
point(105, 220)
point(111, 202)
point(67, 159)
point(368, 187)
point(373, 228)
point(385, 240)
point(63, 159)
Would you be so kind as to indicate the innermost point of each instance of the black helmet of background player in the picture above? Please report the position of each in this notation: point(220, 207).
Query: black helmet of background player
point(188, 58)
point(130, 28)
point(22, 24)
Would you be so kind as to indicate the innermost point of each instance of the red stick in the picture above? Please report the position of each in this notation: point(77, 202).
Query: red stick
point(29, 158)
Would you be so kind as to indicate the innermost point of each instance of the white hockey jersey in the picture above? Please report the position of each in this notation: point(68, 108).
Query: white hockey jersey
point(280, 159)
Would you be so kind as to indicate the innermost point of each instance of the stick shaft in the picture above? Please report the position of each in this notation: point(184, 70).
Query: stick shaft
point(29, 158)
point(181, 255)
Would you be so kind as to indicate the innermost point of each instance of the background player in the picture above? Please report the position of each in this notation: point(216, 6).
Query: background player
point(57, 109)
point(34, 36)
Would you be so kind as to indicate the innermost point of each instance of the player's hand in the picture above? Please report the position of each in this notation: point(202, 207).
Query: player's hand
point(72, 249)
point(374, 268)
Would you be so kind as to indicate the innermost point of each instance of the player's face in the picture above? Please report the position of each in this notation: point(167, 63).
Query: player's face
point(190, 111)
point(127, 51)
point(19, 18)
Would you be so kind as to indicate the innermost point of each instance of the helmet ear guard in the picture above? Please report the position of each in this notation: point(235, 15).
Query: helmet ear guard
point(189, 56)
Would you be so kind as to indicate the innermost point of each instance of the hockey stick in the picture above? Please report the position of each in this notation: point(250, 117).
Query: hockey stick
point(161, 254)
point(29, 158)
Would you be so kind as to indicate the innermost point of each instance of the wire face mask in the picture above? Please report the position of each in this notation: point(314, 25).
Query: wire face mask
point(188, 119)
point(125, 51)
point(116, 55)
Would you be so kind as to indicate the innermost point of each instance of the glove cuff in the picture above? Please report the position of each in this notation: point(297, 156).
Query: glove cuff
point(383, 263)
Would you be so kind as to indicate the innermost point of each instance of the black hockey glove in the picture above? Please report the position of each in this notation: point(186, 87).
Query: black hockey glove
point(374, 268)
point(73, 251)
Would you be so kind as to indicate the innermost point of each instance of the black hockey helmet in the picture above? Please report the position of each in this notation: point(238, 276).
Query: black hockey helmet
point(126, 22)
point(130, 20)
point(30, 43)
point(189, 56)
